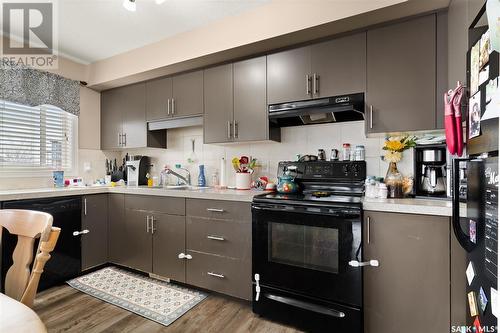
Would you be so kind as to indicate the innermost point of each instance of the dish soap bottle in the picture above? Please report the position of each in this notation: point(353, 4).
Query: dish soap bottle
point(202, 182)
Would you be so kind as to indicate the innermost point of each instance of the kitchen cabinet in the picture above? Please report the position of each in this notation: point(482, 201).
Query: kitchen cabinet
point(177, 96)
point(218, 100)
point(338, 66)
point(137, 252)
point(331, 68)
point(218, 246)
point(117, 235)
point(235, 103)
point(401, 76)
point(411, 285)
point(95, 223)
point(123, 119)
point(289, 76)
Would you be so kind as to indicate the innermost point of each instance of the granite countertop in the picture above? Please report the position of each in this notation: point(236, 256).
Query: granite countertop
point(408, 206)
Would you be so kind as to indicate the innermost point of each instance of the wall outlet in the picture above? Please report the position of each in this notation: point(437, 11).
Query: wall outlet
point(87, 167)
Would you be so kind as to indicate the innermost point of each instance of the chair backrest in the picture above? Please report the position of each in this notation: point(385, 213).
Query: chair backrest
point(20, 283)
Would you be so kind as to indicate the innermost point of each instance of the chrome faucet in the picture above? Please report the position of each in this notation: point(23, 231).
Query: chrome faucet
point(186, 179)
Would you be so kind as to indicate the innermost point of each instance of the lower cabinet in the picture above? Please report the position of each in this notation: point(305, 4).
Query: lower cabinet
point(410, 289)
point(218, 246)
point(95, 224)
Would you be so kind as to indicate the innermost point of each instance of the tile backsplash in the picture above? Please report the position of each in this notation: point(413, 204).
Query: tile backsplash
point(294, 140)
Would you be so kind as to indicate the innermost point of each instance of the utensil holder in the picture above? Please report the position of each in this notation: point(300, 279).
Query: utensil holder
point(243, 180)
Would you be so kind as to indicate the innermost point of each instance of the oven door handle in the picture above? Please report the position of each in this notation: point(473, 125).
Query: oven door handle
point(306, 306)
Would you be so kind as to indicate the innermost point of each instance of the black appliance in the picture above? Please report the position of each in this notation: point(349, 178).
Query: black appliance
point(65, 261)
point(317, 111)
point(307, 249)
point(475, 214)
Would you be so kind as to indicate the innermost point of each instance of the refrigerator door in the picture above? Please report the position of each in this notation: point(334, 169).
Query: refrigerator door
point(475, 223)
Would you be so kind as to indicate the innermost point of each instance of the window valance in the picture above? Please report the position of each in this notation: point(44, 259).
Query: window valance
point(29, 86)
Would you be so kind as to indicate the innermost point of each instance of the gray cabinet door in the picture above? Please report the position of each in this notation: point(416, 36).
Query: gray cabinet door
point(168, 242)
point(95, 220)
point(339, 66)
point(250, 108)
point(137, 249)
point(411, 285)
point(401, 76)
point(158, 93)
point(287, 76)
point(134, 115)
point(218, 100)
point(111, 119)
point(187, 94)
point(117, 237)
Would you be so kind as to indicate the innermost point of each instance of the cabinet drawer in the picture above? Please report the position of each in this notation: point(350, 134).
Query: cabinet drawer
point(220, 209)
point(225, 275)
point(223, 237)
point(167, 205)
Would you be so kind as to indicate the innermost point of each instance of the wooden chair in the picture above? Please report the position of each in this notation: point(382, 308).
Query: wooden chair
point(20, 283)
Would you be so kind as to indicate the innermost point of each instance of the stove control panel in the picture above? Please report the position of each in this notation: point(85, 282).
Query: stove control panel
point(327, 170)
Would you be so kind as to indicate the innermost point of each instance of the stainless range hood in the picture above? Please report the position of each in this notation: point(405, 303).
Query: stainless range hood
point(178, 122)
point(318, 111)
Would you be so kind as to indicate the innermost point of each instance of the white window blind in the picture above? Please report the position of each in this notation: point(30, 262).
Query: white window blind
point(36, 138)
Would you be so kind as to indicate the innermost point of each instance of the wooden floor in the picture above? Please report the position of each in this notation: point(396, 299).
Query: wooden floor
point(64, 309)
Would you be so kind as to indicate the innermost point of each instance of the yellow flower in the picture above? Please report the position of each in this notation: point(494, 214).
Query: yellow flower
point(393, 156)
point(394, 145)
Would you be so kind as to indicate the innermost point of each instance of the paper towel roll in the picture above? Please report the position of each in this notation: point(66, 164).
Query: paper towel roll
point(222, 181)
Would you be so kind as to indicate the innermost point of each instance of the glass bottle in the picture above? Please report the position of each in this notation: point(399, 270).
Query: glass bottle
point(202, 182)
point(394, 181)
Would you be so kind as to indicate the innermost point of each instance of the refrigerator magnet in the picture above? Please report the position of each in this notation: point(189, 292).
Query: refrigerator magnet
point(494, 301)
point(475, 115)
point(472, 231)
point(483, 300)
point(471, 296)
point(470, 273)
point(477, 326)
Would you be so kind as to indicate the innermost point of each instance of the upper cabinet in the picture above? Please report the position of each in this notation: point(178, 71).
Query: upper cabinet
point(339, 66)
point(177, 96)
point(123, 119)
point(235, 103)
point(326, 69)
point(289, 76)
point(401, 76)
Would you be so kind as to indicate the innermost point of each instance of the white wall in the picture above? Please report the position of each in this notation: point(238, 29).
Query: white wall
point(295, 140)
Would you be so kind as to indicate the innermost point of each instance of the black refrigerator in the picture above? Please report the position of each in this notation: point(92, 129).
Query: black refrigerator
point(475, 187)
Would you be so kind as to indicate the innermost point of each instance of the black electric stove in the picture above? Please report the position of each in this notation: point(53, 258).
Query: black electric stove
point(307, 248)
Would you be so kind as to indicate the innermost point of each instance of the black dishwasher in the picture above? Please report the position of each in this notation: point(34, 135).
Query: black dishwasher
point(65, 261)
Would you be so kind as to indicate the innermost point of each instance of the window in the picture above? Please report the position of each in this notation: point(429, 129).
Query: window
point(36, 138)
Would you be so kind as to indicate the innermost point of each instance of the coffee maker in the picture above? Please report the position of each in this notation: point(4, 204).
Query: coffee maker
point(137, 169)
point(431, 171)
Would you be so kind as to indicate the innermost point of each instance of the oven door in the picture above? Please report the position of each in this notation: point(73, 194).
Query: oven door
point(306, 249)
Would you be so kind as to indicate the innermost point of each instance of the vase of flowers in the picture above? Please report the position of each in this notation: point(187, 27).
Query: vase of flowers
point(394, 147)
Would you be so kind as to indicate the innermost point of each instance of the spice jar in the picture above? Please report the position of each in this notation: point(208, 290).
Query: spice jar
point(346, 151)
point(359, 153)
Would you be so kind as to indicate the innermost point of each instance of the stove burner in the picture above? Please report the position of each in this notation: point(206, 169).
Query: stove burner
point(321, 194)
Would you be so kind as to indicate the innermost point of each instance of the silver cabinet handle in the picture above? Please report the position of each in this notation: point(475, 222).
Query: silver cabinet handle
point(316, 84)
point(355, 263)
point(119, 139)
point(168, 106)
point(124, 139)
point(85, 206)
point(217, 238)
point(368, 220)
point(173, 106)
point(220, 276)
point(228, 129)
point(185, 256)
point(216, 210)
point(153, 220)
point(308, 84)
point(147, 223)
point(371, 116)
point(235, 129)
point(83, 232)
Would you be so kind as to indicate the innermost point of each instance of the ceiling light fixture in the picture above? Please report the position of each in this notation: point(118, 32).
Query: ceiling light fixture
point(130, 5)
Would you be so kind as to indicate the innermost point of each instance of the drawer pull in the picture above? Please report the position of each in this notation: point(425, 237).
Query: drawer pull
point(217, 238)
point(217, 210)
point(220, 276)
point(83, 232)
point(185, 256)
